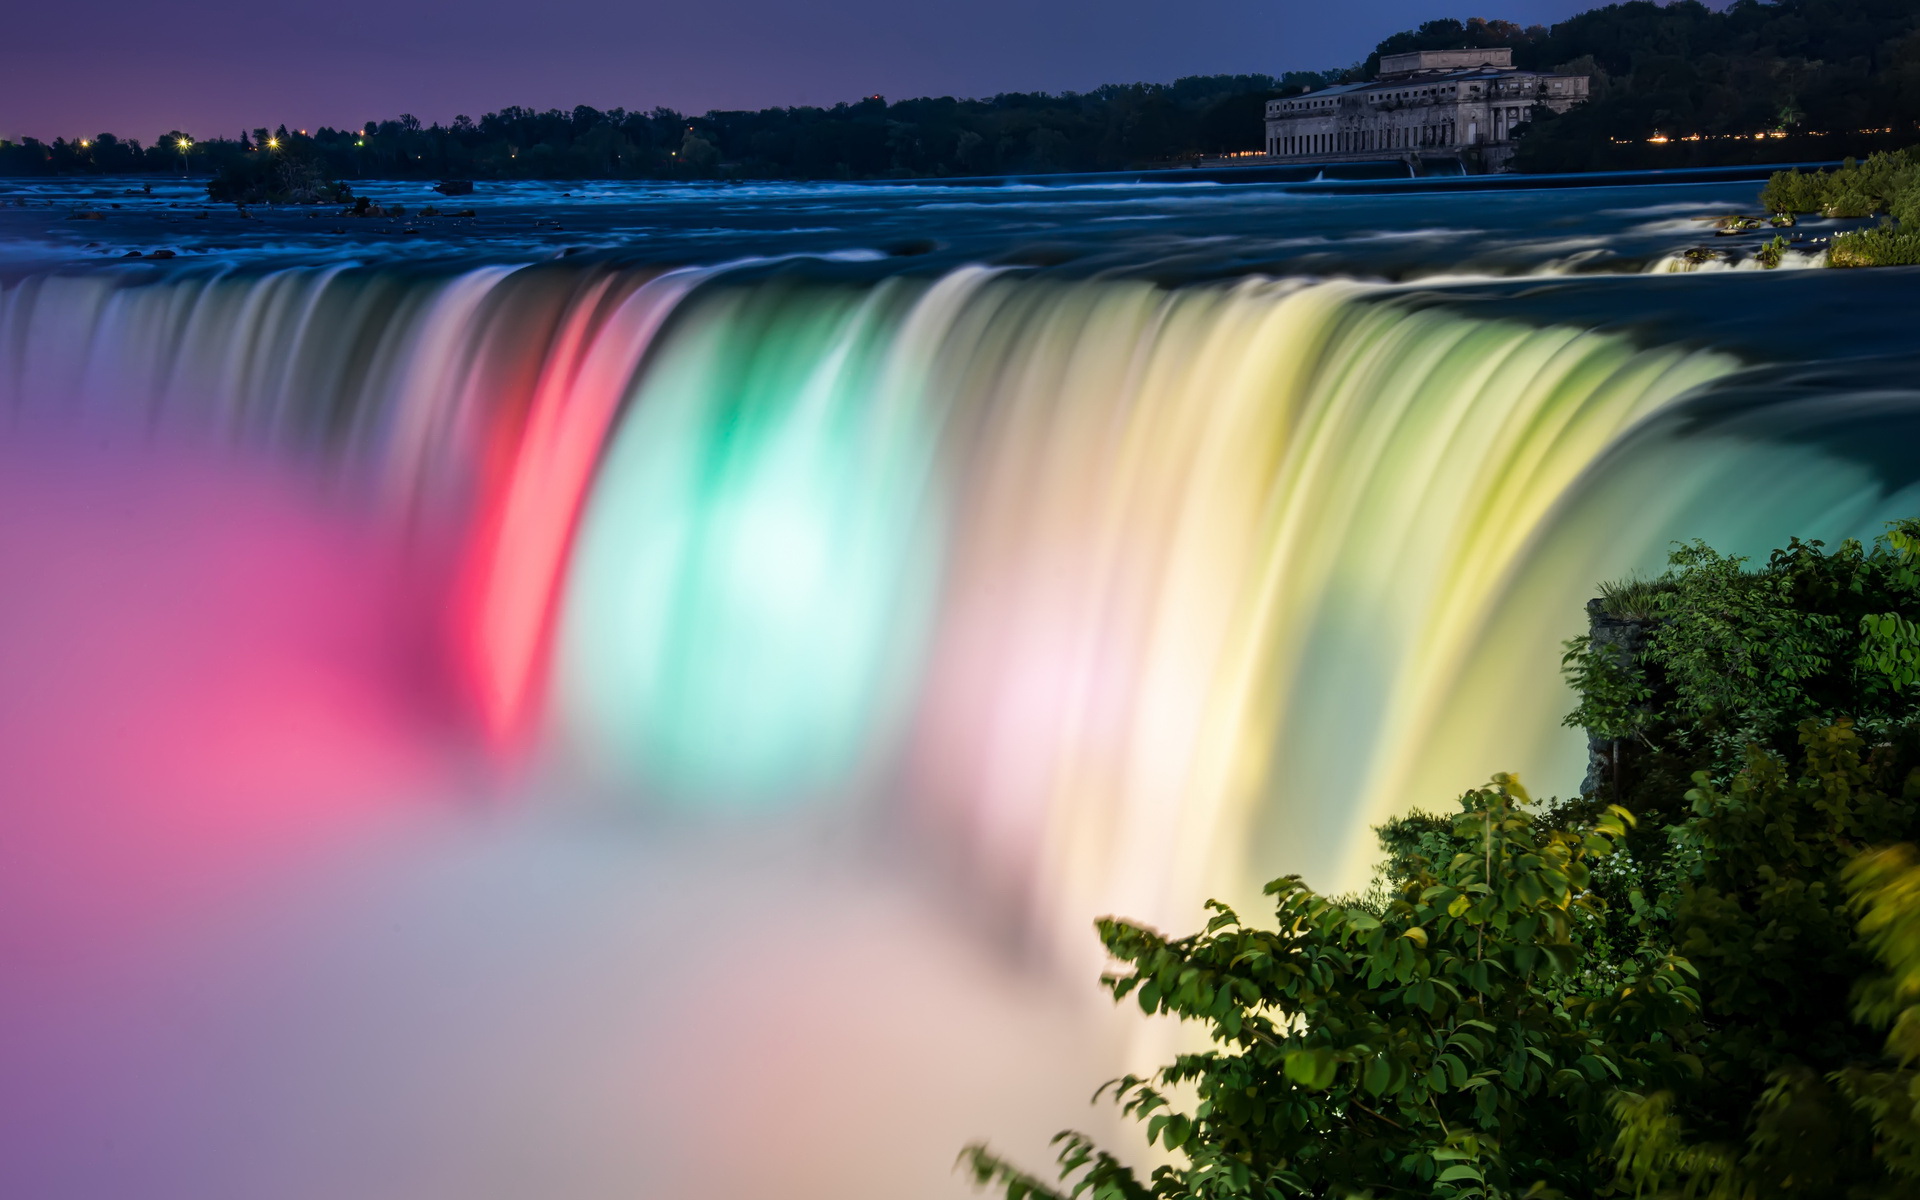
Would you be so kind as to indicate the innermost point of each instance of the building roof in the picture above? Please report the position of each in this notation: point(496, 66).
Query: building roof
point(1399, 82)
point(1446, 60)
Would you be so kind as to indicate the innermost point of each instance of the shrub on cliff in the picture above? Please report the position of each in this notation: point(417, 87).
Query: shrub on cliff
point(1737, 656)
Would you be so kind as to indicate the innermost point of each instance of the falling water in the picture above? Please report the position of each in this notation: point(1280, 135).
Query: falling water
point(1088, 595)
point(1122, 595)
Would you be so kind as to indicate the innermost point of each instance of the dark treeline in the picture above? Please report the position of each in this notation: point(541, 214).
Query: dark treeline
point(1820, 78)
point(1111, 127)
point(1821, 74)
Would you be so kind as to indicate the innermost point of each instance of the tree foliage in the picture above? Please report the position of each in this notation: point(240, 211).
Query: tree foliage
point(279, 168)
point(1735, 657)
point(1457, 1043)
point(1888, 183)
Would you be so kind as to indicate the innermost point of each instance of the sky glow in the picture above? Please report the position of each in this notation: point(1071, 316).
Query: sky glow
point(202, 66)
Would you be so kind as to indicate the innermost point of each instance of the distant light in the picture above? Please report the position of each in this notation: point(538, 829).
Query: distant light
point(359, 142)
point(183, 143)
point(273, 143)
point(84, 143)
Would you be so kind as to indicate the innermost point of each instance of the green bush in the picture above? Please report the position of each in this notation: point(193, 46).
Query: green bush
point(1883, 247)
point(1857, 189)
point(1791, 1095)
point(1904, 205)
point(1795, 192)
point(1849, 203)
point(1449, 1046)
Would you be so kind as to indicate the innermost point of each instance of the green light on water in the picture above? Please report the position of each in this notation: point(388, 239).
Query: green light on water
point(747, 590)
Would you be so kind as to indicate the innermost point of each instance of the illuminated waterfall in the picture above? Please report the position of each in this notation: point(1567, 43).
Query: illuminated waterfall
point(1123, 595)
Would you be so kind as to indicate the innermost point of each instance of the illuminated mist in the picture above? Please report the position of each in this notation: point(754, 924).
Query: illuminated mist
point(581, 731)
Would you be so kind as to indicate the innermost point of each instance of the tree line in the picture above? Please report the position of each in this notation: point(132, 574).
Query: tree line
point(1817, 77)
point(1756, 82)
point(1109, 128)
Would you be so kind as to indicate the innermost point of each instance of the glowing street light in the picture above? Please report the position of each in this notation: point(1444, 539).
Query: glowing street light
point(273, 143)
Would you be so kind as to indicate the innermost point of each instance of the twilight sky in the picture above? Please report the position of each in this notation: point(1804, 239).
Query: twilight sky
point(208, 67)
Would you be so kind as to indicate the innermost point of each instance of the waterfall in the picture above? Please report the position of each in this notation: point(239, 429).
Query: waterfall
point(1122, 595)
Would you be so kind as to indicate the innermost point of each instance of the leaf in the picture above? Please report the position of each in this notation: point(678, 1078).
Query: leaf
point(1378, 1074)
point(1312, 1069)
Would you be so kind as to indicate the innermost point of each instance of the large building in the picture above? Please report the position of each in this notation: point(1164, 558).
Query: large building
point(1425, 105)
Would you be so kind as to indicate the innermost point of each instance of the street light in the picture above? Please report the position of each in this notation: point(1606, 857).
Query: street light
point(185, 144)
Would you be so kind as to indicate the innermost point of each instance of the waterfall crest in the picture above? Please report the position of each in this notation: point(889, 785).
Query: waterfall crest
point(1125, 595)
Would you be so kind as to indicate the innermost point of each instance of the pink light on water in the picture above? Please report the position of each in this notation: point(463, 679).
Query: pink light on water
point(521, 539)
point(205, 681)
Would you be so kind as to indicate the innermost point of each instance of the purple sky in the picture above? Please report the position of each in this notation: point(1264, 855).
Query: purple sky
point(215, 66)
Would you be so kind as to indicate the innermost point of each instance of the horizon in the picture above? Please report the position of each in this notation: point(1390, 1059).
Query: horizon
point(128, 79)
